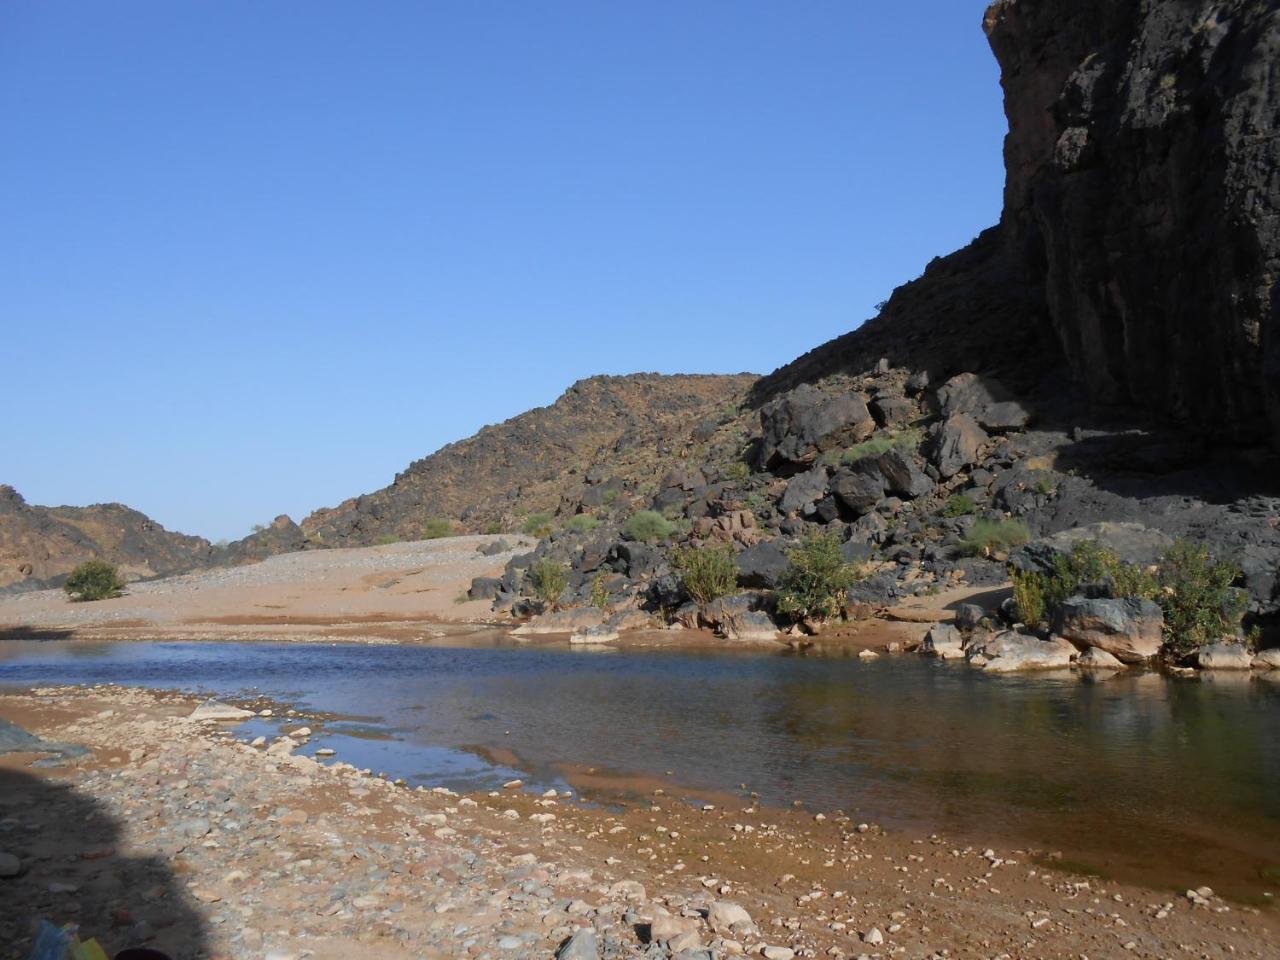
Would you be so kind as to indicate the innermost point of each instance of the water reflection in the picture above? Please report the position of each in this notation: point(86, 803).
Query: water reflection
point(1167, 780)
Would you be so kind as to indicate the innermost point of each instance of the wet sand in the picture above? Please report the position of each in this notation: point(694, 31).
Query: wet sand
point(200, 842)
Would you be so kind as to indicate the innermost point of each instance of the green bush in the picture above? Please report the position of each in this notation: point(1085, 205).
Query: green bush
point(538, 525)
point(1029, 594)
point(611, 496)
point(386, 539)
point(582, 523)
point(738, 472)
point(548, 580)
point(599, 592)
point(1196, 594)
point(959, 505)
point(649, 526)
point(707, 573)
point(437, 527)
point(906, 440)
point(94, 580)
point(491, 529)
point(817, 576)
point(995, 536)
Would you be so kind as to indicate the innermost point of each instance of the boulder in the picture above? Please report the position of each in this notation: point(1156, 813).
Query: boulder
point(734, 619)
point(1131, 542)
point(493, 548)
point(944, 642)
point(1095, 658)
point(902, 477)
point(593, 635)
point(726, 918)
point(213, 710)
point(484, 588)
point(577, 620)
point(762, 565)
point(1010, 651)
point(804, 490)
point(891, 411)
point(1224, 655)
point(955, 444)
point(1131, 630)
point(969, 615)
point(1266, 659)
point(631, 619)
point(805, 422)
point(983, 398)
point(581, 945)
point(858, 489)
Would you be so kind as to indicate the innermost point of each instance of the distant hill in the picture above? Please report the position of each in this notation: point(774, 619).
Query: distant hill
point(40, 545)
point(619, 433)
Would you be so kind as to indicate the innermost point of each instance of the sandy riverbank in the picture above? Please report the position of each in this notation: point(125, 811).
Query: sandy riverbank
point(174, 833)
point(402, 593)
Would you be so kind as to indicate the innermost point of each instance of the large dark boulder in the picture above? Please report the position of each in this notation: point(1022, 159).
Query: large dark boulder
point(805, 422)
point(857, 488)
point(985, 399)
point(902, 476)
point(762, 565)
point(804, 490)
point(955, 443)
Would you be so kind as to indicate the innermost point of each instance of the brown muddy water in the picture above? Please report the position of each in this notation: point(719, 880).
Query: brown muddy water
point(1166, 781)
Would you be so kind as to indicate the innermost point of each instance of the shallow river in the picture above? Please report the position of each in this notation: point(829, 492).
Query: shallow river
point(1165, 781)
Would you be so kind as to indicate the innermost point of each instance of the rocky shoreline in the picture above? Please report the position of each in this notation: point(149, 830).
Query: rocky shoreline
point(174, 833)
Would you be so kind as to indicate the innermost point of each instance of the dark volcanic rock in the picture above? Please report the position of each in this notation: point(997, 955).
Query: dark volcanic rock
point(1143, 187)
point(857, 488)
point(806, 422)
point(955, 444)
point(761, 565)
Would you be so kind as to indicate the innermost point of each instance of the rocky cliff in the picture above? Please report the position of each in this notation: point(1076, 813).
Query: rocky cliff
point(1143, 194)
point(1140, 237)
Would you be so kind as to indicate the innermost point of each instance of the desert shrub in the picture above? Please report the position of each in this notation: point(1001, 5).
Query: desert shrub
point(599, 592)
point(738, 472)
point(649, 526)
point(611, 496)
point(1197, 597)
point(995, 536)
point(582, 523)
point(1029, 595)
point(492, 528)
point(437, 527)
point(906, 440)
point(1045, 486)
point(94, 580)
point(386, 539)
point(538, 525)
point(707, 573)
point(959, 505)
point(817, 576)
point(548, 581)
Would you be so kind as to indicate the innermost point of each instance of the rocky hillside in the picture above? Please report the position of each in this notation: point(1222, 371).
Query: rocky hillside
point(606, 438)
point(40, 545)
point(1101, 363)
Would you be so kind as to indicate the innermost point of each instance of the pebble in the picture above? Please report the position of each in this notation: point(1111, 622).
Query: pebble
point(10, 866)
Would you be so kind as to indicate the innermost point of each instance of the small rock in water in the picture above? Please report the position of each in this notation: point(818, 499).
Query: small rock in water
point(10, 865)
point(213, 710)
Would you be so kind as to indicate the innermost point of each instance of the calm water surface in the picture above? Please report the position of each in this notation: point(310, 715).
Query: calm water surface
point(1167, 781)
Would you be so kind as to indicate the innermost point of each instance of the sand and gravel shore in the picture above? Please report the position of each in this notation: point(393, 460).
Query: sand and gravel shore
point(175, 833)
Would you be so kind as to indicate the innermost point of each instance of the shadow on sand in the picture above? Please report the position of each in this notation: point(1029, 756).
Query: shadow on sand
point(73, 872)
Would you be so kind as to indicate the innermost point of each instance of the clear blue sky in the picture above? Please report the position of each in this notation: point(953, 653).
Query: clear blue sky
point(257, 257)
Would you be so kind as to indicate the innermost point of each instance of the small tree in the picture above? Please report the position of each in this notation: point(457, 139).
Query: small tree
point(94, 580)
point(817, 576)
point(707, 573)
point(548, 580)
point(649, 526)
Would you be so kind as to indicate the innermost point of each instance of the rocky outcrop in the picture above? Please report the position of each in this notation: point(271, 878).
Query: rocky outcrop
point(39, 546)
point(1143, 192)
